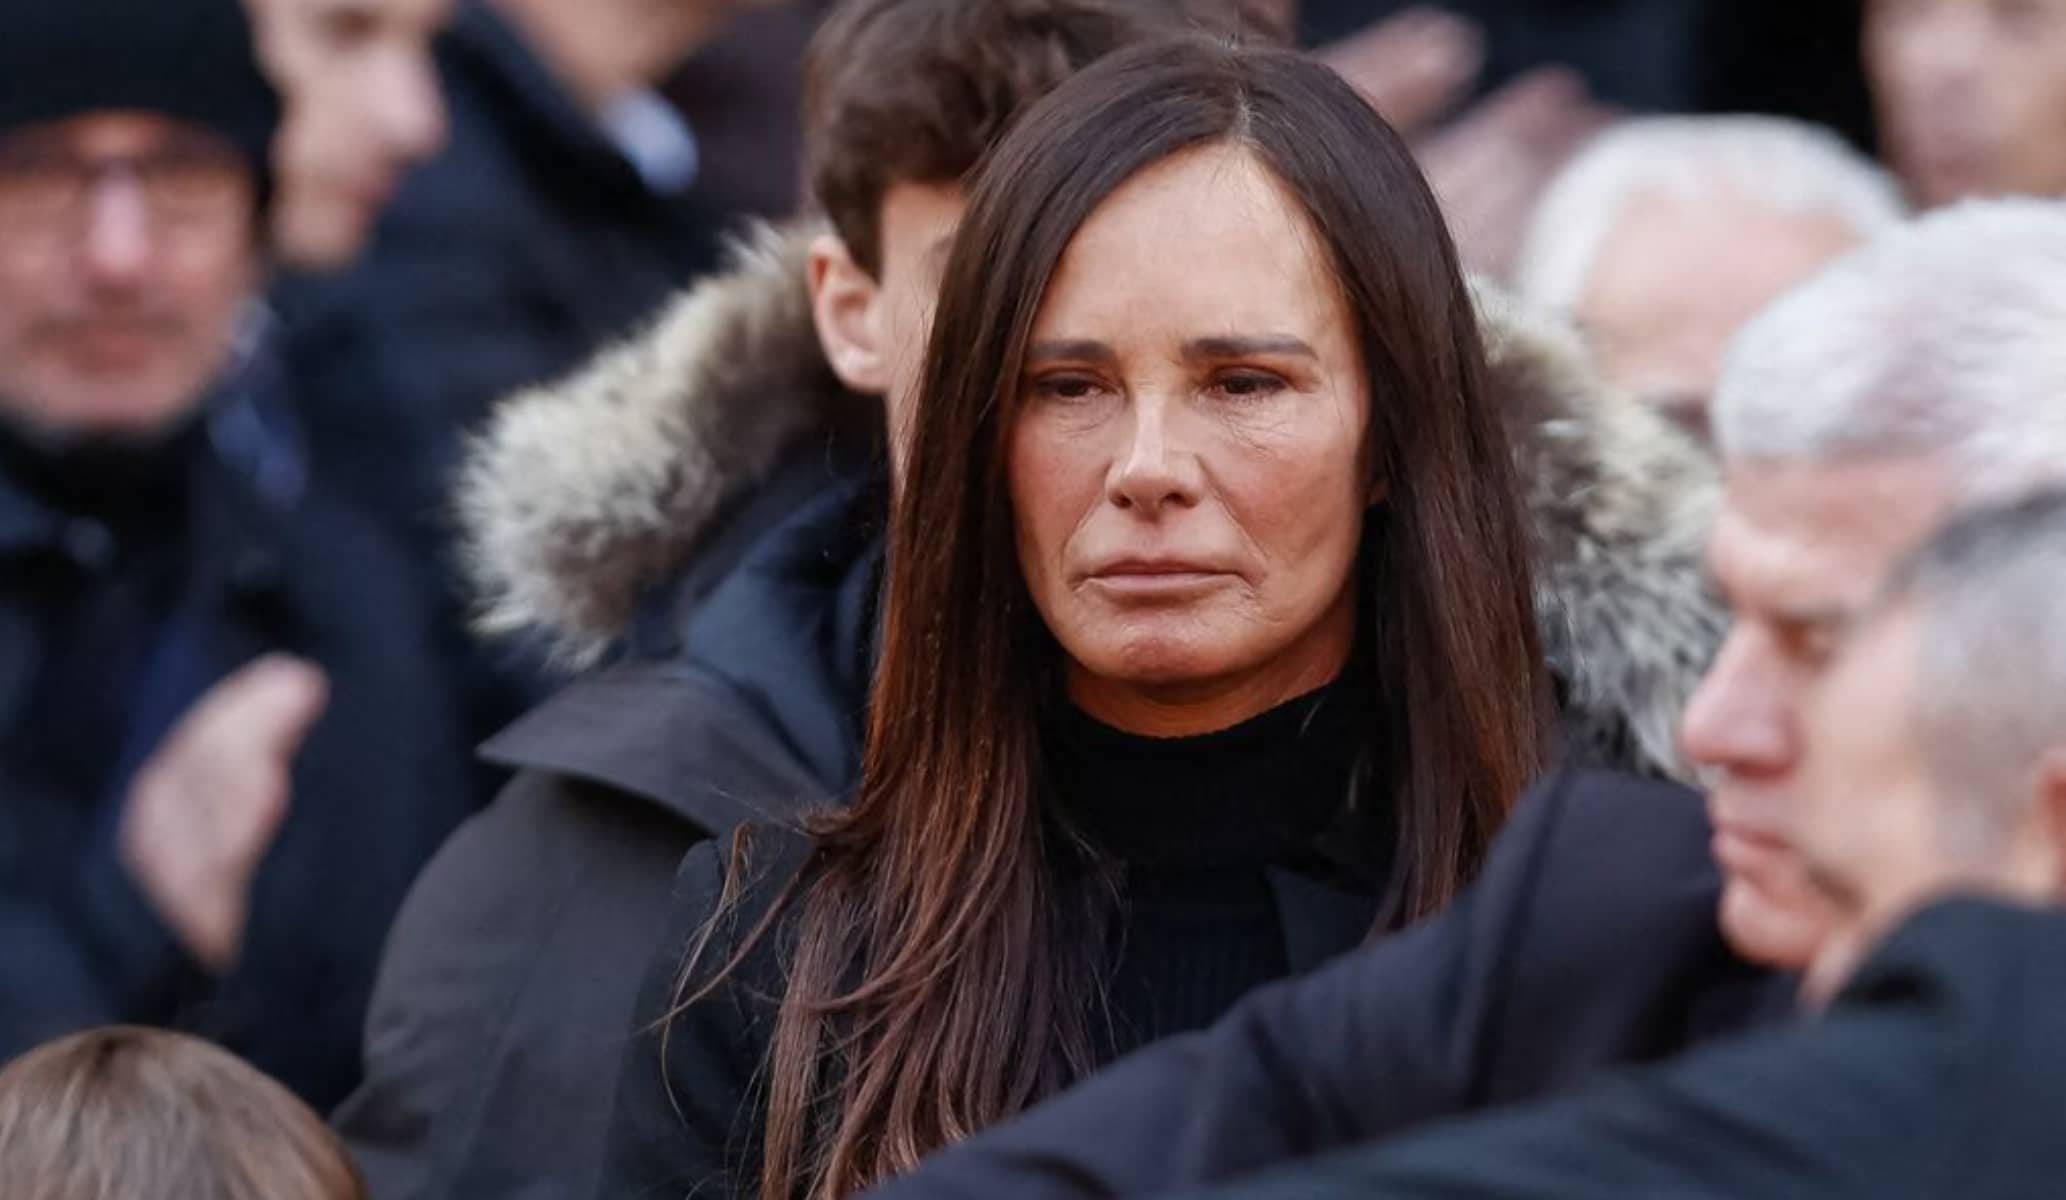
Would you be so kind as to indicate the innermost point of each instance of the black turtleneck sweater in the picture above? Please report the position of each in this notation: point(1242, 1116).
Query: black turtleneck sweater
point(1192, 829)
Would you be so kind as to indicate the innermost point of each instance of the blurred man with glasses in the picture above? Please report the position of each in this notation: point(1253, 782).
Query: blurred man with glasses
point(225, 745)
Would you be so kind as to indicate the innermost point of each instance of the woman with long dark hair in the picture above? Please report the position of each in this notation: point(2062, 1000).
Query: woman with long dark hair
point(1206, 651)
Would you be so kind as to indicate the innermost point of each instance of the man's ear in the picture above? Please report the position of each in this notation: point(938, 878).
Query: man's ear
point(2051, 813)
point(843, 306)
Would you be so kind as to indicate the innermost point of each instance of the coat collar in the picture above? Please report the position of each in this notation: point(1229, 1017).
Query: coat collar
point(483, 46)
point(1320, 919)
point(739, 697)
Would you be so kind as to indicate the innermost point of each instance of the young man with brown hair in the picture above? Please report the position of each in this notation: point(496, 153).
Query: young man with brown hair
point(703, 505)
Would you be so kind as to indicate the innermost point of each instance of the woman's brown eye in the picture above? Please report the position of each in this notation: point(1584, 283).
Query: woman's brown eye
point(1065, 388)
point(1251, 385)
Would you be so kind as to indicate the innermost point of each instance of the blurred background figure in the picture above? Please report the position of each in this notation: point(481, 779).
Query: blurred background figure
point(743, 93)
point(1499, 93)
point(141, 1114)
point(362, 106)
point(1665, 235)
point(225, 742)
point(564, 209)
point(1970, 95)
point(1649, 55)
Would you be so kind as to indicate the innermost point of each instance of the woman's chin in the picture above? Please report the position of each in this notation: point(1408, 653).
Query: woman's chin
point(1153, 664)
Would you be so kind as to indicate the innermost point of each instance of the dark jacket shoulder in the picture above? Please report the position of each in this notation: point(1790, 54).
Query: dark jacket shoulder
point(743, 706)
point(687, 1113)
point(1936, 1073)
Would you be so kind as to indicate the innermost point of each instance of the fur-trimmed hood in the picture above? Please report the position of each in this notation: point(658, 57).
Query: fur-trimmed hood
point(1620, 500)
point(582, 495)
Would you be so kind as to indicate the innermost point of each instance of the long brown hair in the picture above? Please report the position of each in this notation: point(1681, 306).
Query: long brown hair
point(936, 982)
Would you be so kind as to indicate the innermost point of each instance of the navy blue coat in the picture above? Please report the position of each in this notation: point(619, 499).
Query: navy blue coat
point(265, 558)
point(1941, 1071)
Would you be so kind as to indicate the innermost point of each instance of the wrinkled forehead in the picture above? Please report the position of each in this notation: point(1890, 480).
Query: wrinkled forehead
point(1814, 540)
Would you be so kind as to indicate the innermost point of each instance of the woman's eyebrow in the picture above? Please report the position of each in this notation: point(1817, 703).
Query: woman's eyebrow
point(1082, 350)
point(1242, 347)
point(1196, 350)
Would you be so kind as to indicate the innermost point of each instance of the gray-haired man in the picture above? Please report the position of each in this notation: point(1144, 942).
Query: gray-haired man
point(1665, 235)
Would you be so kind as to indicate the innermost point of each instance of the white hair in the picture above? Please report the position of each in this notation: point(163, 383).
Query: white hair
point(1990, 686)
point(1946, 336)
point(1788, 166)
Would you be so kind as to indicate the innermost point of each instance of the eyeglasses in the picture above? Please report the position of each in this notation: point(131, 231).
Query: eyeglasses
point(44, 189)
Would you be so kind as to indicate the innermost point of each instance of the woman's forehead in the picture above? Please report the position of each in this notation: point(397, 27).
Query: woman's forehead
point(1204, 243)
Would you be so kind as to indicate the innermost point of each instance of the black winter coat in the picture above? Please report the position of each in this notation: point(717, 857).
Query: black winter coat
point(1941, 1071)
point(1589, 940)
point(503, 1002)
point(266, 558)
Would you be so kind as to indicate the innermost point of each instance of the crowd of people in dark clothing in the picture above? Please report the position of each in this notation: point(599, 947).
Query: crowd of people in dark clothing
point(944, 599)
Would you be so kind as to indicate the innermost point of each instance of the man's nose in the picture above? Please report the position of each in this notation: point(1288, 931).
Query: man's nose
point(1740, 719)
point(116, 243)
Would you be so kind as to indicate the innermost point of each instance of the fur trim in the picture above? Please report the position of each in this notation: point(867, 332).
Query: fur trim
point(580, 494)
point(1621, 501)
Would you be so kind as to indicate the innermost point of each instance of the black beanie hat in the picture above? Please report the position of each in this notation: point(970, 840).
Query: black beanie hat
point(190, 59)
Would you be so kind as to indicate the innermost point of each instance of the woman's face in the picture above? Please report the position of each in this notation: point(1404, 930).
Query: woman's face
point(1187, 469)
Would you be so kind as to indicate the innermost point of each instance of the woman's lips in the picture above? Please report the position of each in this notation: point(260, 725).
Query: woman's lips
point(1156, 578)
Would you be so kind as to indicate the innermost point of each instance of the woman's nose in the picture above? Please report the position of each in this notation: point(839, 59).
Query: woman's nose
point(1157, 469)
